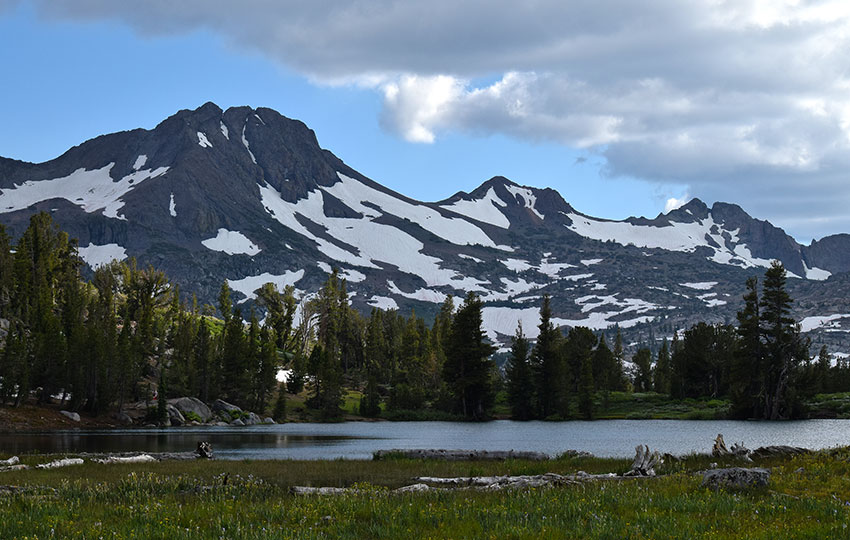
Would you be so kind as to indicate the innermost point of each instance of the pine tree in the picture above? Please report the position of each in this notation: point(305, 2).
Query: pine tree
point(585, 389)
point(468, 366)
point(643, 376)
point(279, 412)
point(520, 378)
point(550, 392)
point(662, 372)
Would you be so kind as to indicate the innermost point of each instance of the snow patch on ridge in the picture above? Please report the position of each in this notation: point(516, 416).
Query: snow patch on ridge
point(232, 243)
point(484, 209)
point(249, 284)
point(383, 302)
point(224, 130)
point(140, 162)
point(203, 141)
point(96, 256)
point(172, 207)
point(829, 321)
point(527, 196)
point(247, 146)
point(701, 286)
point(91, 190)
point(816, 274)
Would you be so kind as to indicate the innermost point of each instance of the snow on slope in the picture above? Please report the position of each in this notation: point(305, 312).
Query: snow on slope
point(203, 141)
point(382, 302)
point(96, 256)
point(140, 162)
point(527, 196)
point(247, 146)
point(701, 286)
point(424, 295)
point(675, 237)
point(248, 285)
point(816, 274)
point(373, 242)
point(91, 190)
point(232, 243)
point(829, 321)
point(503, 320)
point(172, 207)
point(484, 209)
point(224, 130)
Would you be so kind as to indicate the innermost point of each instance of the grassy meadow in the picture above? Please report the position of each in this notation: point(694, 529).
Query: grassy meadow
point(809, 497)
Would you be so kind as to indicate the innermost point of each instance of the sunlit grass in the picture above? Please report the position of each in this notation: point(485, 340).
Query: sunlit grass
point(807, 498)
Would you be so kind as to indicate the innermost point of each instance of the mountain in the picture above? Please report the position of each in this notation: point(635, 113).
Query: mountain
point(249, 196)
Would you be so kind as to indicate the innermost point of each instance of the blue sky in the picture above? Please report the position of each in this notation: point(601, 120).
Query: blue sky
point(432, 102)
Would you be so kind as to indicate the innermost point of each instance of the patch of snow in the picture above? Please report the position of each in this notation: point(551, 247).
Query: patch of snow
point(425, 295)
point(588, 262)
point(470, 257)
point(816, 274)
point(503, 321)
point(714, 303)
point(172, 207)
point(248, 285)
point(231, 242)
point(325, 267)
point(224, 130)
point(90, 190)
point(140, 162)
point(382, 302)
point(700, 286)
point(552, 269)
point(370, 241)
point(517, 265)
point(527, 196)
point(257, 116)
point(665, 289)
point(352, 276)
point(512, 288)
point(247, 147)
point(527, 298)
point(598, 287)
point(96, 256)
point(819, 322)
point(203, 141)
point(485, 209)
point(576, 277)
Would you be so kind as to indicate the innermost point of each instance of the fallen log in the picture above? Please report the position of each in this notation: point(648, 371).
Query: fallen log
point(60, 463)
point(10, 468)
point(308, 490)
point(460, 455)
point(141, 458)
point(14, 460)
point(781, 450)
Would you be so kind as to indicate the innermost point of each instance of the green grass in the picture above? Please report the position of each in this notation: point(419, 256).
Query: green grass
point(807, 498)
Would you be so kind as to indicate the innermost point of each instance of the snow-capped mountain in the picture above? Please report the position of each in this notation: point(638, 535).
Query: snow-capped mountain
point(249, 196)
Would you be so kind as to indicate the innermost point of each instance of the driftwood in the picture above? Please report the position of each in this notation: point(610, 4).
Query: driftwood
point(141, 458)
point(461, 455)
point(10, 468)
point(738, 450)
point(14, 460)
point(645, 462)
point(307, 490)
point(60, 463)
point(773, 451)
point(204, 450)
point(493, 483)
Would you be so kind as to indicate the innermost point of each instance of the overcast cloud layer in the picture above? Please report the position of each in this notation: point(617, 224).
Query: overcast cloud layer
point(741, 100)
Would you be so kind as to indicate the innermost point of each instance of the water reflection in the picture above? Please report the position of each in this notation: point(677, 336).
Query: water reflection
point(357, 440)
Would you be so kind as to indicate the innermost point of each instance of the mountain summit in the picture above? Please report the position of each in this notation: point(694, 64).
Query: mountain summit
point(249, 196)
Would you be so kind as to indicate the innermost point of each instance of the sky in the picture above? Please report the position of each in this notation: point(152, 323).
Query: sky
point(626, 108)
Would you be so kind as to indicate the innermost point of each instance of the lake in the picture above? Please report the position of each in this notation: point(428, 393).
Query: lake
point(357, 440)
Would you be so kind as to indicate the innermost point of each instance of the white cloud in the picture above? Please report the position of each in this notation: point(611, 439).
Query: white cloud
point(674, 203)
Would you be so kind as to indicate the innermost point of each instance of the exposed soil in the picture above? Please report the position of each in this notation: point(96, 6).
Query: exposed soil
point(47, 417)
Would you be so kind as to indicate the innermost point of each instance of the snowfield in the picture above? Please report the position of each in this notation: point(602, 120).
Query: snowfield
point(232, 243)
point(96, 256)
point(91, 190)
point(248, 285)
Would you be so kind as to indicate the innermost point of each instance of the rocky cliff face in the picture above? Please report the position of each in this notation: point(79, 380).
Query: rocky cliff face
point(249, 196)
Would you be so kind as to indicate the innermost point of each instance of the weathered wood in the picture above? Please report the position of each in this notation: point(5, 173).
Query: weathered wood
point(460, 455)
point(60, 463)
point(204, 450)
point(141, 458)
point(644, 462)
point(14, 460)
point(781, 450)
point(309, 490)
point(10, 468)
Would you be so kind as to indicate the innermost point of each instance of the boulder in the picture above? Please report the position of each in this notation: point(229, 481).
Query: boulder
point(124, 419)
point(192, 405)
point(175, 415)
point(253, 419)
point(220, 405)
point(71, 415)
point(269, 420)
point(735, 478)
point(237, 422)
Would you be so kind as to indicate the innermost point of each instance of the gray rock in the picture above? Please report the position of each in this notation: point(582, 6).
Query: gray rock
point(253, 419)
point(71, 415)
point(194, 405)
point(736, 478)
point(269, 420)
point(220, 405)
point(175, 415)
point(124, 418)
point(237, 422)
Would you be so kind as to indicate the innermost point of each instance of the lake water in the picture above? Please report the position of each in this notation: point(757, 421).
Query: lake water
point(357, 440)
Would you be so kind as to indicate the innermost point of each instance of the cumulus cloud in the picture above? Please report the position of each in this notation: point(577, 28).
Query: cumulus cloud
point(674, 203)
point(744, 100)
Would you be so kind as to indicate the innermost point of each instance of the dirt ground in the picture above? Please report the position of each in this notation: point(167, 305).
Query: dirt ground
point(38, 418)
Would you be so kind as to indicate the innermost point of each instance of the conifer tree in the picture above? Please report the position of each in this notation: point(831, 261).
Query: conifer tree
point(585, 389)
point(643, 376)
point(662, 372)
point(520, 378)
point(551, 393)
point(468, 367)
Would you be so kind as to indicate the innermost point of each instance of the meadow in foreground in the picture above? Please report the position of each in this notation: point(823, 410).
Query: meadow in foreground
point(807, 498)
